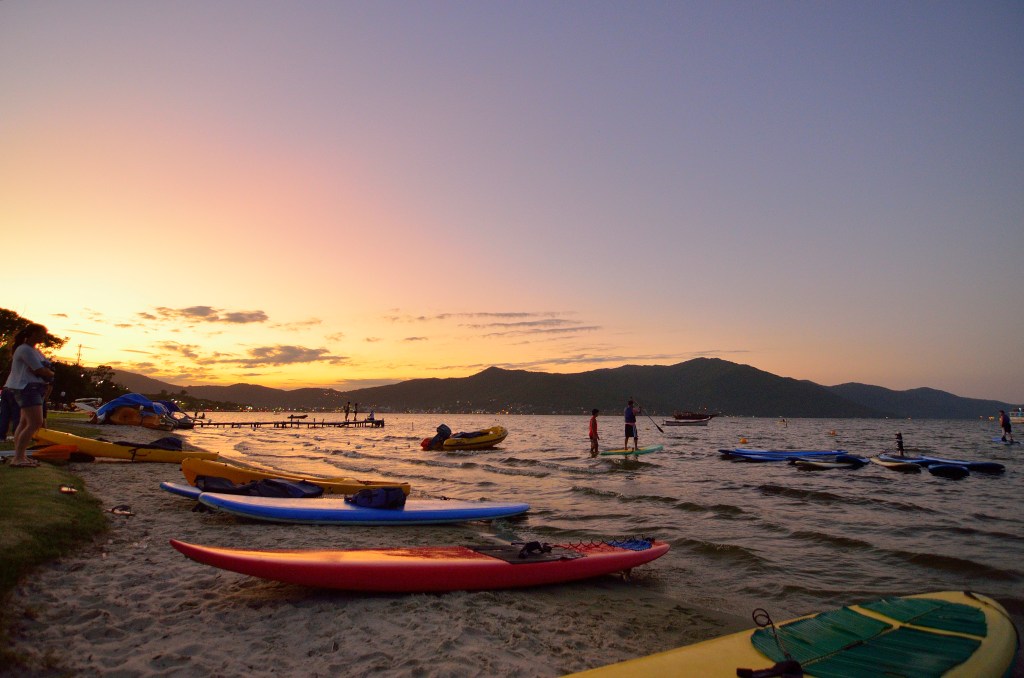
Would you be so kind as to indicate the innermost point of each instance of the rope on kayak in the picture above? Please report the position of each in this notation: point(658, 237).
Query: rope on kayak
point(789, 668)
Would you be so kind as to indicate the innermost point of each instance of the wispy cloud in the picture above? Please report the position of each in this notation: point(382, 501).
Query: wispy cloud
point(286, 355)
point(206, 314)
point(301, 325)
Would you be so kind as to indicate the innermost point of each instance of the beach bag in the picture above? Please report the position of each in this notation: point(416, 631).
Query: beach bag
point(378, 497)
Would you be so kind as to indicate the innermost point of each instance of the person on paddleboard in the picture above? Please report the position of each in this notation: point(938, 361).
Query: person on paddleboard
point(899, 443)
point(631, 431)
point(593, 433)
point(1004, 422)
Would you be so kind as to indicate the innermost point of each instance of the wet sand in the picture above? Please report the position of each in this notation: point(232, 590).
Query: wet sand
point(130, 605)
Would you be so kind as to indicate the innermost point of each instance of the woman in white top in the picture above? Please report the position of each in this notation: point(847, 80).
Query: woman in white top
point(30, 380)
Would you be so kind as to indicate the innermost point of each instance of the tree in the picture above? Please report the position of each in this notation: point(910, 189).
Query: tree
point(10, 324)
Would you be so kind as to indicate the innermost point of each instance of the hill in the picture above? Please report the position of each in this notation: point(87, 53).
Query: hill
point(919, 403)
point(709, 383)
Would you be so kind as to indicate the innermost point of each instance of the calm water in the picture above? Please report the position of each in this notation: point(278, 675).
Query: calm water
point(743, 535)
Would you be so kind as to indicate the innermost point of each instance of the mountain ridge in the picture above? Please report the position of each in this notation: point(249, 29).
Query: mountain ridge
point(702, 383)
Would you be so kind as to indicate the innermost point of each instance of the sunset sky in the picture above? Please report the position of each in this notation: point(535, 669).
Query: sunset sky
point(343, 194)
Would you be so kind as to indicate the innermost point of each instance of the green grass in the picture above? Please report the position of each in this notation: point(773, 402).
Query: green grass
point(39, 523)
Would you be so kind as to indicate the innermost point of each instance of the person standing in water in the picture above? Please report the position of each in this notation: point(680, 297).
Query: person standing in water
point(631, 432)
point(1004, 422)
point(593, 433)
point(899, 443)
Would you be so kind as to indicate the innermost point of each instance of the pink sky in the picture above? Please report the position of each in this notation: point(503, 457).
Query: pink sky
point(335, 194)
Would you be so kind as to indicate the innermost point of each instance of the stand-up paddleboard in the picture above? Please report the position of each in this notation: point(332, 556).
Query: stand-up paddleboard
point(782, 455)
point(902, 466)
point(181, 489)
point(129, 452)
point(632, 453)
point(979, 466)
point(1006, 442)
point(240, 474)
point(824, 462)
point(336, 511)
point(948, 633)
point(951, 471)
point(433, 568)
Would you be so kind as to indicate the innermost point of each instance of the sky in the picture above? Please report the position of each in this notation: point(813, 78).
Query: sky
point(345, 194)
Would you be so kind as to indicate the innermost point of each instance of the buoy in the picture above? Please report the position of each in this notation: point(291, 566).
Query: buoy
point(832, 432)
point(743, 441)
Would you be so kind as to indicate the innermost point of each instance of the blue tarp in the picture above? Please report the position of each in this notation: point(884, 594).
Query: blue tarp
point(132, 400)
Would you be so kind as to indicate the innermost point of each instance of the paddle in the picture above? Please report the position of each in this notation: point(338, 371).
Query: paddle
point(652, 420)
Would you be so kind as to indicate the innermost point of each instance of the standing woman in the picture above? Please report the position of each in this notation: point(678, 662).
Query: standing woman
point(30, 380)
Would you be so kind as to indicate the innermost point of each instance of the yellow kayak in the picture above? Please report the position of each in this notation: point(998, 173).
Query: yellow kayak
point(102, 448)
point(238, 473)
point(954, 633)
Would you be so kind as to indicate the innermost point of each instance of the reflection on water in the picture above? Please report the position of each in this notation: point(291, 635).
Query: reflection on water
point(743, 534)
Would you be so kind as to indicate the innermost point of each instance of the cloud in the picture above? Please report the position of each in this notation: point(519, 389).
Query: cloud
point(541, 331)
point(286, 355)
point(415, 339)
point(405, 317)
point(208, 314)
point(185, 350)
point(300, 325)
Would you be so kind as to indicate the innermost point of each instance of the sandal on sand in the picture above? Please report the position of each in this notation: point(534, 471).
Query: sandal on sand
point(24, 463)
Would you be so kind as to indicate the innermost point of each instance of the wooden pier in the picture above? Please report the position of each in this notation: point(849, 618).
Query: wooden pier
point(292, 422)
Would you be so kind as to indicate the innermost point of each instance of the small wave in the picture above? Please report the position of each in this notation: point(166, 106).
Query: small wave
point(807, 495)
point(594, 492)
point(959, 566)
point(845, 543)
point(727, 552)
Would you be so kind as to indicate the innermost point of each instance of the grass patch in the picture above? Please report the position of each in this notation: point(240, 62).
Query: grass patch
point(39, 523)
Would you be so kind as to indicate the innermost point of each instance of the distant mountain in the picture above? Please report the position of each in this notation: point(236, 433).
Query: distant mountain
point(919, 403)
point(708, 383)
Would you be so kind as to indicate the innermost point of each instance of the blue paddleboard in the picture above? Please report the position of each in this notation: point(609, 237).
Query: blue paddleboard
point(181, 489)
point(744, 454)
point(1005, 442)
point(334, 510)
point(979, 466)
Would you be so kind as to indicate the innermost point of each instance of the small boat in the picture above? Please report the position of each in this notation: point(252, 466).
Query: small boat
point(477, 440)
point(1017, 416)
point(689, 415)
point(473, 440)
point(687, 422)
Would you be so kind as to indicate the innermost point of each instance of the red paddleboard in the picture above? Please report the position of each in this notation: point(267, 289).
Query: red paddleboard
point(432, 568)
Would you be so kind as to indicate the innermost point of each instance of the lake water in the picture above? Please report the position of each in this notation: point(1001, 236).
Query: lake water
point(743, 535)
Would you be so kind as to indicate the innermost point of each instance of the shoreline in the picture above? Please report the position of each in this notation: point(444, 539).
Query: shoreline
point(132, 605)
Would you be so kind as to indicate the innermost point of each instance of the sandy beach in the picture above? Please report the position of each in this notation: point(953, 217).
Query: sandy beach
point(131, 605)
